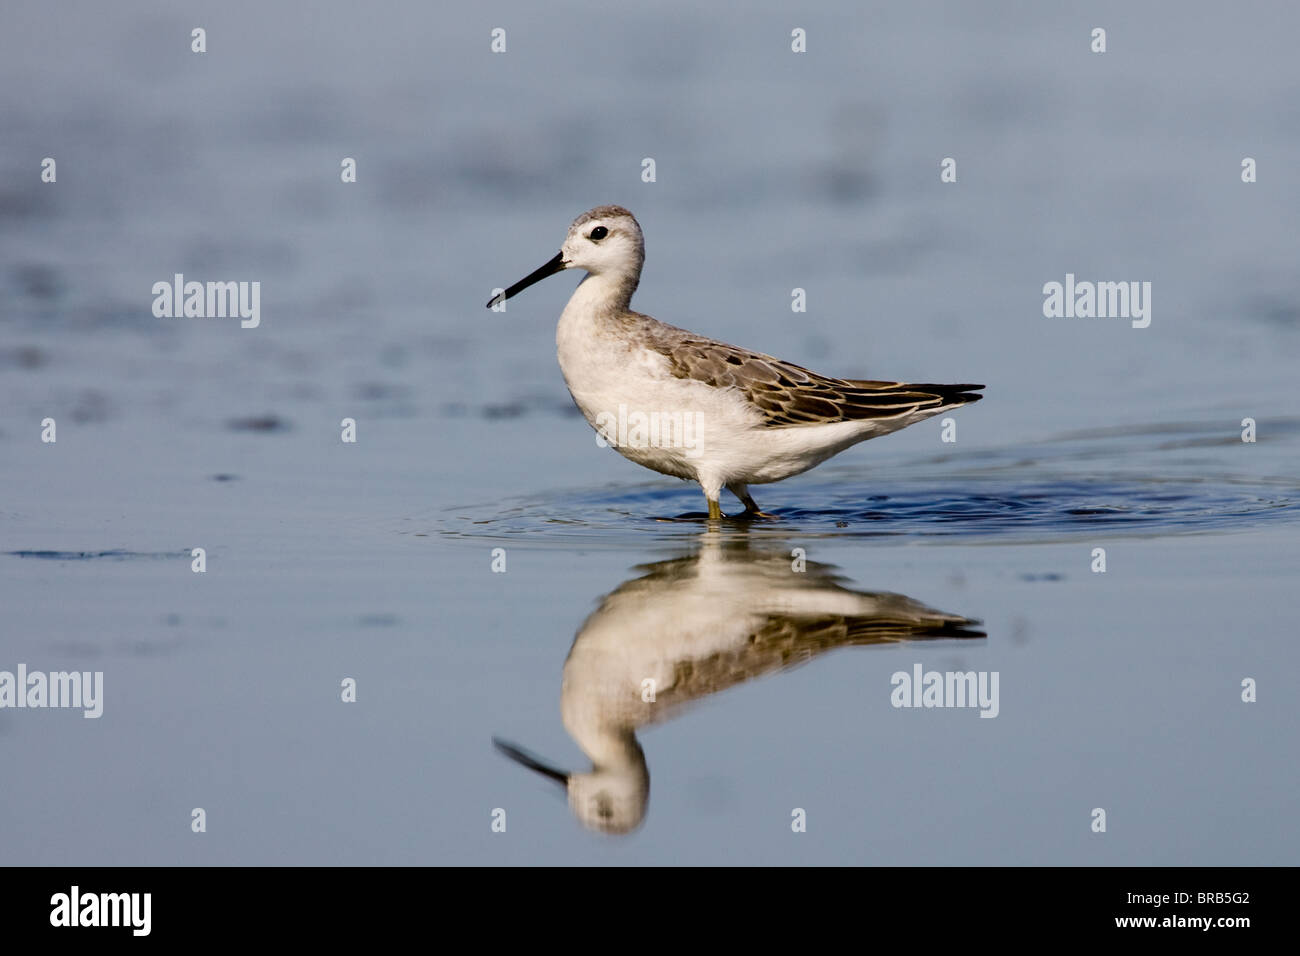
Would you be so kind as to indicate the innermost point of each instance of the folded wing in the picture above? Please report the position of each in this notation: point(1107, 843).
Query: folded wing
point(790, 395)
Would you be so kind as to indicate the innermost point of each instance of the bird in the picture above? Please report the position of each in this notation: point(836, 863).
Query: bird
point(693, 626)
point(693, 407)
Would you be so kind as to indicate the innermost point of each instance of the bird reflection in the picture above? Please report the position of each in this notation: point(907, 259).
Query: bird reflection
point(690, 627)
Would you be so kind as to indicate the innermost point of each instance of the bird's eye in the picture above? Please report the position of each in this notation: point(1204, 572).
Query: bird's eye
point(599, 233)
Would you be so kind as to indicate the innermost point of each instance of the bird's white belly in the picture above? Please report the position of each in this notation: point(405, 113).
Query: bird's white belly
point(689, 429)
point(650, 417)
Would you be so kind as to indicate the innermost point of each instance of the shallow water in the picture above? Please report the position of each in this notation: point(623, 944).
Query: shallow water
point(375, 560)
point(1029, 508)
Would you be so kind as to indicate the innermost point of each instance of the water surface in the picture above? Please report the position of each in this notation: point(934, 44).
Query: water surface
point(374, 561)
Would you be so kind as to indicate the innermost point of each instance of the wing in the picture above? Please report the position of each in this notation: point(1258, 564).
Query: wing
point(782, 642)
point(788, 394)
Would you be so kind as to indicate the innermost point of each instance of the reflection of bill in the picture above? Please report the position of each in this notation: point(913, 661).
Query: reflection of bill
point(690, 627)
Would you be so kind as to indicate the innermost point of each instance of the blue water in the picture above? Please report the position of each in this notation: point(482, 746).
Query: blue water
point(375, 561)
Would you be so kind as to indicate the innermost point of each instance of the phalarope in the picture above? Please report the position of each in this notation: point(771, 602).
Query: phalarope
point(700, 409)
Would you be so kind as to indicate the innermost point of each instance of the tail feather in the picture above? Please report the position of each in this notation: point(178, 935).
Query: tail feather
point(873, 399)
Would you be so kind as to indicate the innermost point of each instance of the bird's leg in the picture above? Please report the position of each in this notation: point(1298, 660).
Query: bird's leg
point(715, 510)
point(751, 506)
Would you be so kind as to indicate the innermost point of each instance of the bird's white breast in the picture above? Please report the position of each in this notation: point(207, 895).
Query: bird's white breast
point(615, 379)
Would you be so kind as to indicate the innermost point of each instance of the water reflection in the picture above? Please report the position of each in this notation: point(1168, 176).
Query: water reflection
point(690, 627)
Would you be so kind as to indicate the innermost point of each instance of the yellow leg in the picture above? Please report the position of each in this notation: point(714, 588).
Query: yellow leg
point(715, 510)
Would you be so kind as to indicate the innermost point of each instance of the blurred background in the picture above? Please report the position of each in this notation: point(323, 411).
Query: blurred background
point(774, 170)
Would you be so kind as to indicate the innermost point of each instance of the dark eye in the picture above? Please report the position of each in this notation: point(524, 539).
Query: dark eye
point(599, 233)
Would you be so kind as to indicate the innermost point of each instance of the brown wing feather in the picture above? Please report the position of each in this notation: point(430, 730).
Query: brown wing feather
point(788, 394)
point(782, 642)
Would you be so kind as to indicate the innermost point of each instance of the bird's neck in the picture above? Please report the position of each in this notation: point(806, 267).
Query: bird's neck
point(604, 292)
point(609, 746)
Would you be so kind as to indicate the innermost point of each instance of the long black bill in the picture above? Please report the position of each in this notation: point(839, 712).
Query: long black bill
point(529, 761)
point(552, 267)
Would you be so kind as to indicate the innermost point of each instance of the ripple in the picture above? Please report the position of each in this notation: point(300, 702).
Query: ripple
point(111, 555)
point(961, 506)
